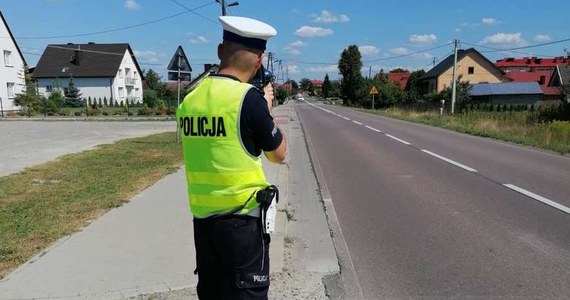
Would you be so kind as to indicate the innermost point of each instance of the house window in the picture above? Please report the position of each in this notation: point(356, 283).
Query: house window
point(121, 92)
point(7, 58)
point(10, 86)
point(49, 88)
point(120, 73)
point(471, 70)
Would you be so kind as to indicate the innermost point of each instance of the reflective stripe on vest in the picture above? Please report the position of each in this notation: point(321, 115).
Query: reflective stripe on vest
point(221, 174)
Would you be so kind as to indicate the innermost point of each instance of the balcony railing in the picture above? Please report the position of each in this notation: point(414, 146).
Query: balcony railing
point(130, 80)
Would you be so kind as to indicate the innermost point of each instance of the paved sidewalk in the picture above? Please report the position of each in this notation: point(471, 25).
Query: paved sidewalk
point(143, 247)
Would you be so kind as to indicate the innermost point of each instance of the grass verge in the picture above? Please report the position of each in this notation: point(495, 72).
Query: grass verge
point(516, 127)
point(43, 203)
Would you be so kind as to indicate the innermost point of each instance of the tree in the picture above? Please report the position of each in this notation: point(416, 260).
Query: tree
point(398, 70)
point(150, 98)
point(294, 85)
point(415, 89)
point(327, 87)
point(306, 84)
point(352, 81)
point(72, 95)
point(462, 97)
point(281, 94)
point(153, 79)
point(29, 99)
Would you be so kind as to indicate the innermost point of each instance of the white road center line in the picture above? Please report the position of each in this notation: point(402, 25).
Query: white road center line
point(397, 139)
point(450, 161)
point(538, 198)
point(355, 122)
point(346, 118)
point(373, 129)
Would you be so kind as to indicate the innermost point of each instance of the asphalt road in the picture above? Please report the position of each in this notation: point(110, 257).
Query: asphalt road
point(426, 212)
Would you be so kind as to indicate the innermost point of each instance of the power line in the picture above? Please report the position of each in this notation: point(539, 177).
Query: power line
point(373, 60)
point(524, 47)
point(120, 28)
point(495, 50)
point(406, 55)
point(193, 11)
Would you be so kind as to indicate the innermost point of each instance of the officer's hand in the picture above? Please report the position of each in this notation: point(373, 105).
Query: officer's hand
point(268, 89)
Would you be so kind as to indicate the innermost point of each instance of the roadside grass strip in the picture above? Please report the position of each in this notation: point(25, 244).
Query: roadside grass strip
point(43, 203)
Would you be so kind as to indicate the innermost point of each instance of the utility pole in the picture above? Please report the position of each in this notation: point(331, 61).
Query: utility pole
point(370, 73)
point(454, 83)
point(270, 61)
point(178, 97)
point(224, 5)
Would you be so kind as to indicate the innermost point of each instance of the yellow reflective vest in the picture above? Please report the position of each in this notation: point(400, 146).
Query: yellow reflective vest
point(222, 176)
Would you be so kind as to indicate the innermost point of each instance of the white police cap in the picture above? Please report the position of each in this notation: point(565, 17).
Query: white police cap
point(248, 32)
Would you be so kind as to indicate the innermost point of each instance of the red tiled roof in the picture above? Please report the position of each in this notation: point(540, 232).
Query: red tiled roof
point(551, 90)
point(317, 82)
point(531, 62)
point(530, 77)
point(400, 79)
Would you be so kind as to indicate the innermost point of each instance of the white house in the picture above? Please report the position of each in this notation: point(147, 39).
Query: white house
point(100, 71)
point(12, 78)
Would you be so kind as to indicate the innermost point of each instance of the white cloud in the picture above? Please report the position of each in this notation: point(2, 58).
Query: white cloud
point(328, 17)
point(293, 69)
point(308, 31)
point(199, 40)
point(504, 39)
point(368, 50)
point(294, 48)
point(399, 51)
point(132, 5)
point(423, 39)
point(489, 21)
point(323, 69)
point(148, 56)
point(542, 38)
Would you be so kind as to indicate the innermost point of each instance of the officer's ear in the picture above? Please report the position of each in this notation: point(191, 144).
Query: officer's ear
point(220, 50)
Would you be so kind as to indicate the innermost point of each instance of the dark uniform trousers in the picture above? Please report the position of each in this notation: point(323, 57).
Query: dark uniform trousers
point(232, 257)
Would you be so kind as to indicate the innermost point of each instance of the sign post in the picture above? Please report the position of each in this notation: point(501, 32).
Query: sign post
point(179, 67)
point(373, 91)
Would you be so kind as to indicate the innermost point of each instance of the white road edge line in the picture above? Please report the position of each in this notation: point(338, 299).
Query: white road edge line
point(346, 118)
point(538, 198)
point(450, 161)
point(355, 122)
point(373, 129)
point(397, 139)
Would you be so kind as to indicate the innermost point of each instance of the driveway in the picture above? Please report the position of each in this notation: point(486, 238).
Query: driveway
point(27, 143)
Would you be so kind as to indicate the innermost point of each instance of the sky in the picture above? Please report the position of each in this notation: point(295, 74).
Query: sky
point(407, 34)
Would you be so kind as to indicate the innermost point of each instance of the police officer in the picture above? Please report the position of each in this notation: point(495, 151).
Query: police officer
point(226, 124)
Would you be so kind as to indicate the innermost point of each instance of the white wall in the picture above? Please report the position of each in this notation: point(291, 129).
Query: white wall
point(88, 87)
point(14, 72)
point(130, 82)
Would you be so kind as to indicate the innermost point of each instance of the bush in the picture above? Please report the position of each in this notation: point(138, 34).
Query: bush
point(554, 112)
point(150, 98)
point(145, 111)
point(105, 113)
point(77, 114)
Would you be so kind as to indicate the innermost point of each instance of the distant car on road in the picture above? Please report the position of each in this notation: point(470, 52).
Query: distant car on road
point(301, 98)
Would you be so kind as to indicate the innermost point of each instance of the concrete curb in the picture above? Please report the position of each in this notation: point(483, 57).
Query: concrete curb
point(277, 249)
